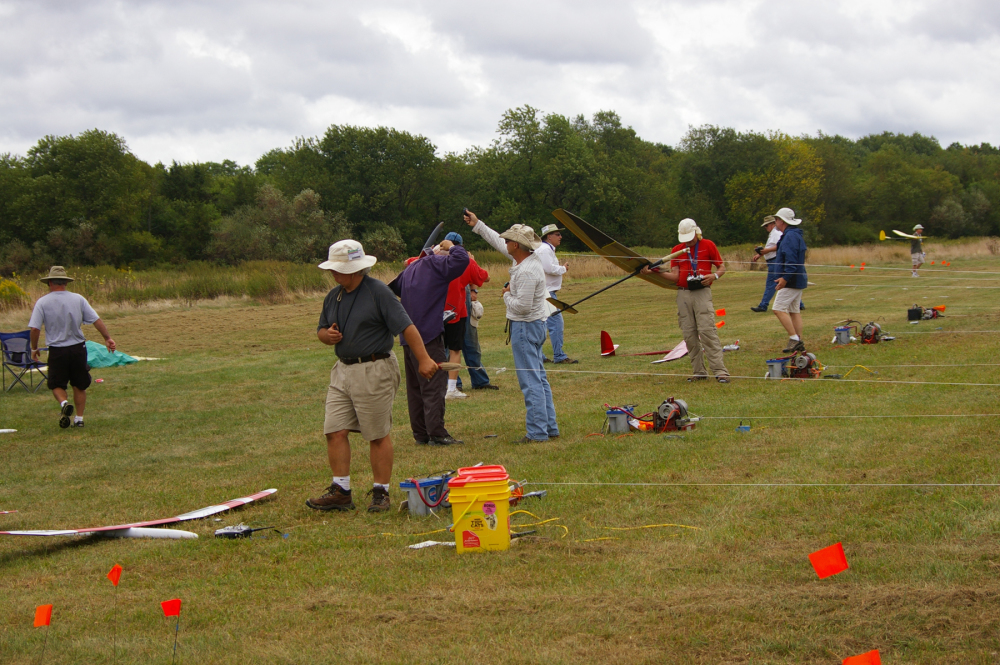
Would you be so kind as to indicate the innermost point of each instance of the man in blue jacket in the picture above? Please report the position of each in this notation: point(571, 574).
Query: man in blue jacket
point(790, 270)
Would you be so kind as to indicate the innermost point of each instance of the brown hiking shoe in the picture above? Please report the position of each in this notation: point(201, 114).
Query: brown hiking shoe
point(335, 498)
point(380, 500)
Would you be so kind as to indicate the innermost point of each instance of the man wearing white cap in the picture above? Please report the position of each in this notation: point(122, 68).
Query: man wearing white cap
point(359, 319)
point(546, 253)
point(790, 270)
point(524, 297)
point(695, 273)
point(917, 249)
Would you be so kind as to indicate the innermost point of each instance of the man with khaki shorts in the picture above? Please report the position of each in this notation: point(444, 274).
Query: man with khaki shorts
point(359, 319)
point(790, 270)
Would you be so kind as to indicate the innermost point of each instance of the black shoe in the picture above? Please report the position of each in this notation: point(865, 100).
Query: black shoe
point(802, 305)
point(527, 439)
point(488, 386)
point(546, 360)
point(66, 412)
point(445, 441)
point(566, 361)
point(421, 442)
point(794, 346)
point(759, 309)
point(697, 377)
point(78, 423)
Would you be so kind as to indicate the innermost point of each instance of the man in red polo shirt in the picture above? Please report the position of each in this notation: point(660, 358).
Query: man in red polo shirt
point(695, 273)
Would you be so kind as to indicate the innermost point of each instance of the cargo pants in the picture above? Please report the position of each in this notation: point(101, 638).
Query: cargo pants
point(696, 316)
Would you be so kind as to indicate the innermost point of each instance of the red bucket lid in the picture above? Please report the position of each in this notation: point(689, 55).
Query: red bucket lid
point(479, 474)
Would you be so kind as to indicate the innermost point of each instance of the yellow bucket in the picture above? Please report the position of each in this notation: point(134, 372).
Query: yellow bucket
point(480, 508)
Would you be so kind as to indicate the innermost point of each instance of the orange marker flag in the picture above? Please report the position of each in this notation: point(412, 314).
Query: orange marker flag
point(829, 561)
point(932, 263)
point(720, 312)
point(171, 608)
point(115, 574)
point(852, 265)
point(862, 263)
point(939, 308)
point(870, 658)
point(43, 615)
point(720, 324)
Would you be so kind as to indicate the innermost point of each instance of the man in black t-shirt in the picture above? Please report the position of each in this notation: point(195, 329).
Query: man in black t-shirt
point(359, 319)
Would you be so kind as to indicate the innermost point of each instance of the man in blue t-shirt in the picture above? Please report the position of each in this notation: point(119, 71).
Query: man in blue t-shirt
point(62, 314)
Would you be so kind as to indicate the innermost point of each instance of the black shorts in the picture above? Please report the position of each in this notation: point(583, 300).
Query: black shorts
point(68, 365)
point(454, 334)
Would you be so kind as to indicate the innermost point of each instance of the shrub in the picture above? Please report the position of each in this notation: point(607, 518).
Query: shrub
point(12, 296)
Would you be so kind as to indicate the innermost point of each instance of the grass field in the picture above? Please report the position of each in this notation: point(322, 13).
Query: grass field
point(235, 406)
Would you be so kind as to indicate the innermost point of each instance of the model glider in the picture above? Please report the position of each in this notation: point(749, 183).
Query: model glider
point(678, 351)
point(431, 240)
point(142, 529)
point(882, 236)
point(7, 512)
point(615, 252)
point(608, 348)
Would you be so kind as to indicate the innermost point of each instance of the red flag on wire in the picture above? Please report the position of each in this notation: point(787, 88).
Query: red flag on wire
point(115, 574)
point(720, 324)
point(171, 608)
point(870, 658)
point(720, 312)
point(829, 561)
point(43, 615)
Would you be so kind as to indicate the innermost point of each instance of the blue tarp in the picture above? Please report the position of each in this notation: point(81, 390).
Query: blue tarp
point(99, 356)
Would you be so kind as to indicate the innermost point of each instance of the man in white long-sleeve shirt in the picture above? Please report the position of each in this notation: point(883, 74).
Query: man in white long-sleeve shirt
point(546, 253)
point(524, 297)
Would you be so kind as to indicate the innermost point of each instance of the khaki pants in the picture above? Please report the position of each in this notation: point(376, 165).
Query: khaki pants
point(696, 316)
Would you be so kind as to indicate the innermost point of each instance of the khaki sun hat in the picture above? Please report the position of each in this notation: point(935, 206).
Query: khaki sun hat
point(787, 215)
point(56, 272)
point(768, 220)
point(687, 229)
point(347, 257)
point(918, 227)
point(551, 228)
point(523, 234)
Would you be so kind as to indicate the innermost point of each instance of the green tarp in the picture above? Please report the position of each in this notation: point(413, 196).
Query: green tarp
point(99, 356)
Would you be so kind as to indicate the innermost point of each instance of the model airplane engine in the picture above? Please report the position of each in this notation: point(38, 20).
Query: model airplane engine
point(871, 333)
point(804, 366)
point(672, 415)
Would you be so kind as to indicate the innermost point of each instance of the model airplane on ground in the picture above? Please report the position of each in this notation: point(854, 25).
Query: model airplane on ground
point(142, 529)
point(615, 252)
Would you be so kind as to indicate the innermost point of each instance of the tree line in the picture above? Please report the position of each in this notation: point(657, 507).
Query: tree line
point(87, 200)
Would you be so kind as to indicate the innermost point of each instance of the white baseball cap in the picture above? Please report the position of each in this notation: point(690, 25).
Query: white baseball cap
point(787, 215)
point(346, 257)
point(687, 229)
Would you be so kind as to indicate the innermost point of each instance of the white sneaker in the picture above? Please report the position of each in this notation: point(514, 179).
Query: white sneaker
point(455, 394)
point(916, 275)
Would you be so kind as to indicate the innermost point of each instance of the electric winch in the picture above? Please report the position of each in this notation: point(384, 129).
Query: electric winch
point(671, 416)
point(795, 366)
point(871, 333)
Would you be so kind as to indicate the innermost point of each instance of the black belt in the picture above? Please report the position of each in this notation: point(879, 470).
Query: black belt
point(366, 359)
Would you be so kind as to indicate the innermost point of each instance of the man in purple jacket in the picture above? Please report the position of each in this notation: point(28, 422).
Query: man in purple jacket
point(422, 289)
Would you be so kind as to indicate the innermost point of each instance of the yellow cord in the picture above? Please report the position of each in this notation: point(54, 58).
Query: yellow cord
point(650, 526)
point(525, 512)
point(857, 366)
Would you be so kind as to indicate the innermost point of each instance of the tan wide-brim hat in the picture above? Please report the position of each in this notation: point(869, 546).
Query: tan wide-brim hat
point(523, 234)
point(551, 228)
point(347, 257)
point(768, 220)
point(56, 272)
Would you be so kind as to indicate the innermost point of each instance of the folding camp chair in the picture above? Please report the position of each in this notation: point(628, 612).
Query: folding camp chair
point(16, 349)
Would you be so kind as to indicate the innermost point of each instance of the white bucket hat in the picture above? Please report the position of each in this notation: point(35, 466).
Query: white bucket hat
point(551, 228)
point(347, 257)
point(523, 234)
point(787, 215)
point(918, 227)
point(687, 229)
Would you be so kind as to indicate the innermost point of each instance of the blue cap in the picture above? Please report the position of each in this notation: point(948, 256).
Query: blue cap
point(454, 237)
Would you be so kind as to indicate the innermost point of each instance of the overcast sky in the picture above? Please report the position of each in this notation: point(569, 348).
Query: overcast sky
point(192, 80)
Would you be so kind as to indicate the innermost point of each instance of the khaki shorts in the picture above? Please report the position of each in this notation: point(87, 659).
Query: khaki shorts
point(360, 396)
point(918, 257)
point(787, 300)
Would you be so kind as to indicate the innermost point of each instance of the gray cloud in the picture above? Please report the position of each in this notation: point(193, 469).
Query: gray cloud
point(191, 80)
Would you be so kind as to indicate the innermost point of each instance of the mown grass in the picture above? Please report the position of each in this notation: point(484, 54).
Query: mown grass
point(236, 406)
